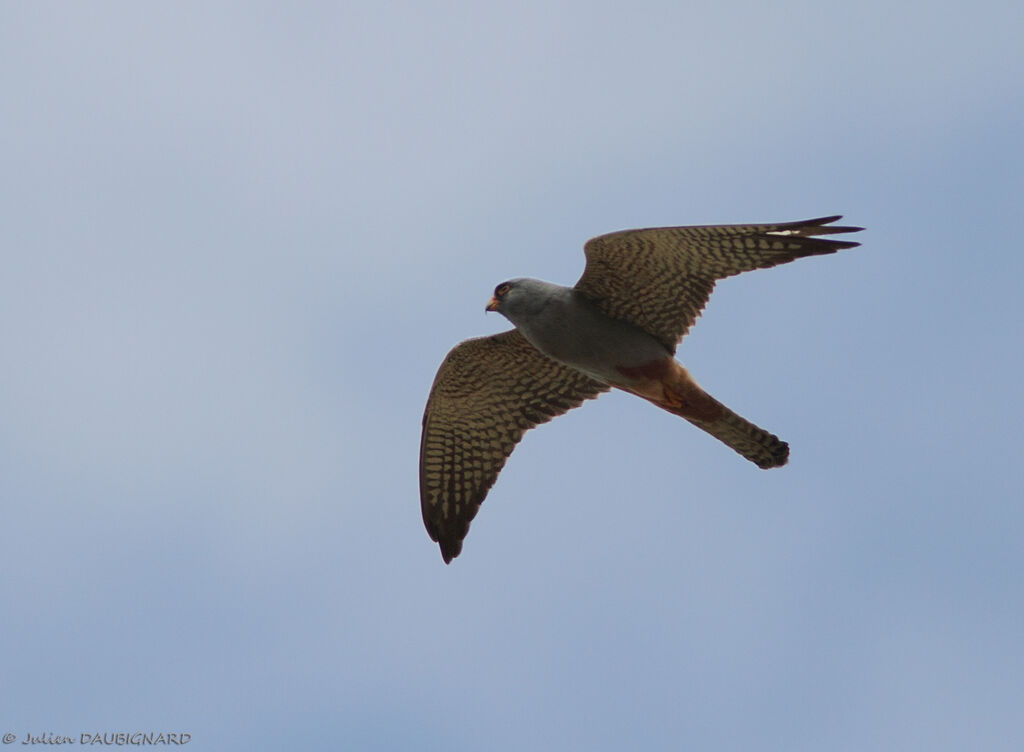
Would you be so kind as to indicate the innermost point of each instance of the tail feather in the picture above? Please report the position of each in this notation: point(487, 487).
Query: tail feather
point(762, 448)
point(669, 386)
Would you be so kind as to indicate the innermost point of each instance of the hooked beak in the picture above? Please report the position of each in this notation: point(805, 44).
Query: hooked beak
point(492, 305)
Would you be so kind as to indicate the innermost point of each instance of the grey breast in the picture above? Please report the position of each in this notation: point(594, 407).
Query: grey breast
point(573, 330)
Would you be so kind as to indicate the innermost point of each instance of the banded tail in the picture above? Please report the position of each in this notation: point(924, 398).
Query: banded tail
point(674, 390)
point(766, 450)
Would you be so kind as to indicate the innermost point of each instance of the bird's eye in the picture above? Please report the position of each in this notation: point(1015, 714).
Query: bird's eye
point(501, 289)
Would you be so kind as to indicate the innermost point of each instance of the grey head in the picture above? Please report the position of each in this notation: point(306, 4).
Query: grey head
point(521, 299)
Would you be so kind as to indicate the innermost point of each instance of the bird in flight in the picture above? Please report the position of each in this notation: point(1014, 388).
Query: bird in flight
point(640, 293)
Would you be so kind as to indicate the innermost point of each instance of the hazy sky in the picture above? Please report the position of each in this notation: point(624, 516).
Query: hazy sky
point(238, 239)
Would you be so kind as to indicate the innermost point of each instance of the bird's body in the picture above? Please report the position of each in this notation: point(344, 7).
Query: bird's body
point(617, 327)
point(566, 326)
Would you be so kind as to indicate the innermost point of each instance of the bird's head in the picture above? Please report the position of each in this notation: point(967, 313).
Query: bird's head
point(502, 290)
point(520, 297)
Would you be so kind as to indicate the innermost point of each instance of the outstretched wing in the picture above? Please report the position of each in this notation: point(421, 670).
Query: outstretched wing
point(661, 278)
point(487, 393)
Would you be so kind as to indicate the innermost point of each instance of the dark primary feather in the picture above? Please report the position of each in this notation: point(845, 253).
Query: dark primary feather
point(660, 278)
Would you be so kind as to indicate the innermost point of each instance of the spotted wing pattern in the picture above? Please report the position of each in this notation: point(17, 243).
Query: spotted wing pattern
point(661, 278)
point(487, 393)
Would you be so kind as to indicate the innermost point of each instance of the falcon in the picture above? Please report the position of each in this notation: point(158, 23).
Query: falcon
point(619, 326)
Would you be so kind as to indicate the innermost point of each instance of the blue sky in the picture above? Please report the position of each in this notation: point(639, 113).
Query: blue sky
point(238, 239)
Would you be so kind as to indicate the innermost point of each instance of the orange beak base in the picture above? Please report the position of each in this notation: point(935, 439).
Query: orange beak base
point(492, 305)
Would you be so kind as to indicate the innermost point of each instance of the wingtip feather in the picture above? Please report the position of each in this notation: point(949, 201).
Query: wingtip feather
point(819, 226)
point(450, 550)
